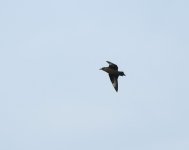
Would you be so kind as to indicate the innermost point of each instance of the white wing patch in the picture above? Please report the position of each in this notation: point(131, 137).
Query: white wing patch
point(115, 84)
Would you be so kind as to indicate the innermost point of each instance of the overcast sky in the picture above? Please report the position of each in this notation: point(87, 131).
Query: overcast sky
point(53, 95)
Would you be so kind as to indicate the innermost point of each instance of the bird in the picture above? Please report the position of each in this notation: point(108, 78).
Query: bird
point(113, 72)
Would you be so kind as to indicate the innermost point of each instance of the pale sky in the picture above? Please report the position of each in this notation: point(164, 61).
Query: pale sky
point(53, 95)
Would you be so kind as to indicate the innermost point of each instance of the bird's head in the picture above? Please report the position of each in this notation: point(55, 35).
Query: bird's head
point(121, 73)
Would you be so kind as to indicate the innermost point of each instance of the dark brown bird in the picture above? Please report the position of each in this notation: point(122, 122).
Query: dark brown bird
point(113, 72)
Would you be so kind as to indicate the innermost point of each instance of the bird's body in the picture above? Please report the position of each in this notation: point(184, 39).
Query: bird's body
point(113, 72)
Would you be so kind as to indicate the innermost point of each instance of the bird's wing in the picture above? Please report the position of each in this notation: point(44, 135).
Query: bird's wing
point(114, 81)
point(112, 65)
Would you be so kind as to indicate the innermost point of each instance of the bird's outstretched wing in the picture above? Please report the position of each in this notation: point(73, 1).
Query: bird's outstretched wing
point(112, 65)
point(114, 81)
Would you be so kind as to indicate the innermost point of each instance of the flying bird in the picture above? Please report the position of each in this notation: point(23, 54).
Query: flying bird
point(113, 72)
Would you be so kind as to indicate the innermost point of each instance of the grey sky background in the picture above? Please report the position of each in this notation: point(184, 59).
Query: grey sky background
point(53, 95)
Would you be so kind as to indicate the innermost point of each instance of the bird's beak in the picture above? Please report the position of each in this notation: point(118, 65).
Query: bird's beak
point(100, 69)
